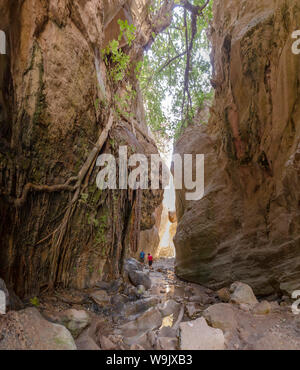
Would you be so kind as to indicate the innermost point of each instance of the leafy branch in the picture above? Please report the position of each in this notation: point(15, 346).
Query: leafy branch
point(177, 67)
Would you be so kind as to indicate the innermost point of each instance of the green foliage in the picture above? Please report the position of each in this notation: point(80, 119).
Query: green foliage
point(113, 52)
point(119, 59)
point(162, 76)
point(35, 301)
point(100, 225)
point(119, 65)
point(127, 30)
point(170, 105)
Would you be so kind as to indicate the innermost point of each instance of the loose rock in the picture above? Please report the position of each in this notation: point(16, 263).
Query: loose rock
point(150, 320)
point(75, 321)
point(262, 308)
point(221, 316)
point(169, 307)
point(242, 294)
point(100, 297)
point(138, 278)
point(197, 335)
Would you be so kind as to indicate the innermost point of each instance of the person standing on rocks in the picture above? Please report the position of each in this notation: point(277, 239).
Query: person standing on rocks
point(142, 257)
point(150, 260)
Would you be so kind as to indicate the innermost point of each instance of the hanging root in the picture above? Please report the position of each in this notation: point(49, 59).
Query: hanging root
point(19, 202)
point(60, 233)
point(83, 175)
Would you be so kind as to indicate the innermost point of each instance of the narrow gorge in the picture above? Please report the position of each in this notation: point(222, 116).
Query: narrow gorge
point(81, 81)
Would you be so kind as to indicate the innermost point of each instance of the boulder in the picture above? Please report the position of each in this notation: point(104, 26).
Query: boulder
point(179, 318)
point(221, 316)
point(138, 278)
point(197, 335)
point(192, 310)
point(75, 321)
point(130, 291)
point(262, 308)
point(142, 305)
point(242, 294)
point(100, 297)
point(169, 307)
point(119, 300)
point(103, 285)
point(224, 295)
point(116, 286)
point(28, 330)
point(132, 264)
point(149, 320)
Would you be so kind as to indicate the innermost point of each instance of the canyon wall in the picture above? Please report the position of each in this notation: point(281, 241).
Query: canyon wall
point(55, 94)
point(247, 226)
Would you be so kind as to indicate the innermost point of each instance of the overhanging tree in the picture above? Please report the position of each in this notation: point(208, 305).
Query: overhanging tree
point(176, 70)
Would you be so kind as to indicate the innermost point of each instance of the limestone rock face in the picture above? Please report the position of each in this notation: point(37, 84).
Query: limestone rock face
point(247, 225)
point(54, 89)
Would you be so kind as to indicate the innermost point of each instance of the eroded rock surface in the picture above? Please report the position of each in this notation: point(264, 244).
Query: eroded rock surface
point(197, 335)
point(247, 226)
point(27, 329)
point(55, 91)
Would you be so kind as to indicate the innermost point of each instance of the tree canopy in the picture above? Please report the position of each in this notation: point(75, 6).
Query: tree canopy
point(175, 75)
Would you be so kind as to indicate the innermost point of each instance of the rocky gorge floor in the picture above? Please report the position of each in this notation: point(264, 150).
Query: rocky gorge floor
point(151, 309)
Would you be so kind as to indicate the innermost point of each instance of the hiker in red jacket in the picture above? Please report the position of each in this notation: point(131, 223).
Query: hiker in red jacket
point(150, 260)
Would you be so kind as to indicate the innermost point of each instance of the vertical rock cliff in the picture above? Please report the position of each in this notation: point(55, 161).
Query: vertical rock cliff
point(247, 226)
point(54, 94)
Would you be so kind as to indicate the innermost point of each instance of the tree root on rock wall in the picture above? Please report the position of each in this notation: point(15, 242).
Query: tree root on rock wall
point(19, 202)
point(85, 172)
